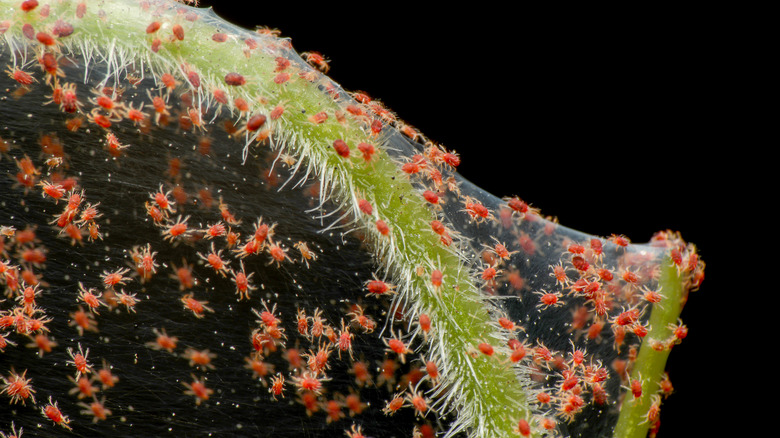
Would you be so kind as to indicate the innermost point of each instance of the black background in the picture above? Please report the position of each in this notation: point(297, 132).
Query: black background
point(612, 121)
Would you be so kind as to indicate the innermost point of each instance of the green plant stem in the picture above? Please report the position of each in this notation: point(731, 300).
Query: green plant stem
point(650, 363)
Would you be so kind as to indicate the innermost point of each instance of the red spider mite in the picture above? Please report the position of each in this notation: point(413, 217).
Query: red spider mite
point(153, 27)
point(355, 432)
point(640, 330)
point(79, 360)
point(438, 227)
point(559, 273)
point(215, 230)
point(277, 386)
point(318, 362)
point(378, 287)
point(376, 126)
point(576, 248)
point(489, 274)
point(50, 65)
point(281, 78)
point(83, 321)
point(227, 216)
point(29, 5)
point(436, 278)
point(319, 118)
point(359, 318)
point(20, 76)
point(100, 119)
point(368, 150)
point(597, 247)
point(220, 96)
point(549, 299)
point(267, 316)
point(411, 167)
point(90, 299)
point(361, 97)
point(69, 101)
point(475, 209)
point(580, 263)
point(4, 342)
point(53, 413)
point(282, 63)
point(234, 79)
point(308, 381)
point(365, 206)
point(176, 230)
point(200, 358)
point(198, 389)
point(431, 197)
point(397, 346)
point(259, 368)
point(452, 159)
point(635, 386)
point(620, 240)
point(196, 306)
point(317, 323)
point(42, 342)
point(46, 39)
point(55, 191)
point(630, 277)
point(317, 60)
point(333, 407)
point(307, 255)
point(394, 405)
point(345, 340)
point(508, 324)
point(486, 348)
point(251, 247)
point(605, 274)
point(277, 253)
point(302, 322)
point(127, 300)
point(155, 213)
point(651, 296)
point(163, 341)
point(241, 104)
point(155, 46)
point(425, 323)
point(277, 112)
point(178, 32)
point(666, 385)
point(111, 279)
point(97, 409)
point(18, 387)
point(680, 331)
point(518, 350)
point(523, 428)
point(432, 370)
point(62, 28)
point(417, 401)
point(159, 106)
point(242, 282)
point(28, 31)
point(253, 124)
point(214, 259)
point(382, 227)
point(341, 148)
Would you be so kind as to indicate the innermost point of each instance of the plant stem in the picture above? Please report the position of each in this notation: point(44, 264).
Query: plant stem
point(650, 362)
